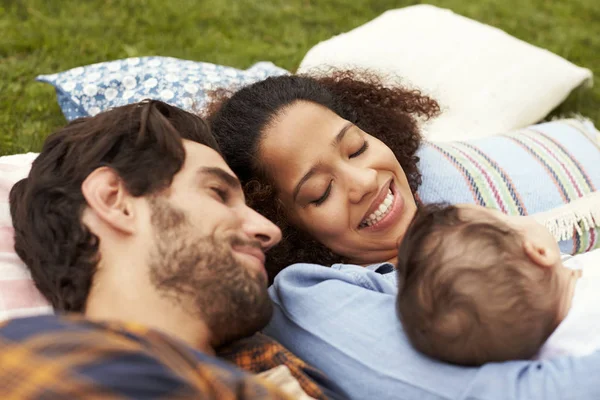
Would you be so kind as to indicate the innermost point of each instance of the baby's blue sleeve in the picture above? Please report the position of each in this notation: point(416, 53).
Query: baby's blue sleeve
point(343, 321)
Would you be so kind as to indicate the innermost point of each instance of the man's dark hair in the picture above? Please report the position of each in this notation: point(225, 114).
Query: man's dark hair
point(466, 295)
point(141, 142)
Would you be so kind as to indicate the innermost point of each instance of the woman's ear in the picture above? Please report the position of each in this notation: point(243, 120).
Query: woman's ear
point(107, 197)
point(541, 255)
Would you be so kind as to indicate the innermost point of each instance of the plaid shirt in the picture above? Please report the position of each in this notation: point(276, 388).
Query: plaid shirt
point(260, 353)
point(69, 357)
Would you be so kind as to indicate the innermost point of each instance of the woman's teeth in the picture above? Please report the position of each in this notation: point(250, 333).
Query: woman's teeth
point(383, 210)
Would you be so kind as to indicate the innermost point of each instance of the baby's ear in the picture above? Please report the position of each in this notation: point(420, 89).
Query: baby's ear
point(541, 255)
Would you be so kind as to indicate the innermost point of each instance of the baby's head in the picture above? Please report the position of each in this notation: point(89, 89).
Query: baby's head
point(477, 285)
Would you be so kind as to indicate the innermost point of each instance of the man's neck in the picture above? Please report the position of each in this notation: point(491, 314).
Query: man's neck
point(139, 302)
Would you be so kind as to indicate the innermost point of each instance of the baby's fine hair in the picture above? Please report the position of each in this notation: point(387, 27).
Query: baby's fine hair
point(466, 293)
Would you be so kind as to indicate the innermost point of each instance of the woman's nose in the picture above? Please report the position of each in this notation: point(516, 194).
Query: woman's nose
point(362, 182)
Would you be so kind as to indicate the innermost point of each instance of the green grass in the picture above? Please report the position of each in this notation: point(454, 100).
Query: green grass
point(47, 36)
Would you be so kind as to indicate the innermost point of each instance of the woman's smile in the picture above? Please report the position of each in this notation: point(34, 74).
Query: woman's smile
point(384, 213)
point(355, 197)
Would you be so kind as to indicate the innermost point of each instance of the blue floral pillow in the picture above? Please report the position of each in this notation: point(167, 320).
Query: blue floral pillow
point(88, 90)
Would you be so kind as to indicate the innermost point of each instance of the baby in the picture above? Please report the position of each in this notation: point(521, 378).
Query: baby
point(477, 286)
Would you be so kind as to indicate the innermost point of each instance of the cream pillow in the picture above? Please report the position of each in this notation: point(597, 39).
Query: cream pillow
point(486, 81)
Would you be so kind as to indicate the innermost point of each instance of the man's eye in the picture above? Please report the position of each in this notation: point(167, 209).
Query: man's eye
point(223, 194)
point(364, 148)
point(321, 199)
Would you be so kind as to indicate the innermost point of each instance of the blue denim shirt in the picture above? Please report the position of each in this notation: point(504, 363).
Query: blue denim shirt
point(343, 321)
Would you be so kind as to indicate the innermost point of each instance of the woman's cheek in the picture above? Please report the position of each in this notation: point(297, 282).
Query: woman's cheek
point(331, 222)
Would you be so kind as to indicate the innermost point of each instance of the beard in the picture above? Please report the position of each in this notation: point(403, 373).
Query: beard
point(201, 275)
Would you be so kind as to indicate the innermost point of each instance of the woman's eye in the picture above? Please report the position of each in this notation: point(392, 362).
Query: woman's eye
point(321, 199)
point(364, 148)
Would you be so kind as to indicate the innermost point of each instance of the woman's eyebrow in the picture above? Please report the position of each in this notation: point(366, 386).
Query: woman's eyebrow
point(336, 141)
point(340, 136)
point(306, 177)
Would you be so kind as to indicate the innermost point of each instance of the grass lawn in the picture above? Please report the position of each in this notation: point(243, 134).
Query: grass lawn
point(47, 36)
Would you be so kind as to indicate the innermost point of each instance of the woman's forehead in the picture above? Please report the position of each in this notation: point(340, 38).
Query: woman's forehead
point(295, 141)
point(304, 121)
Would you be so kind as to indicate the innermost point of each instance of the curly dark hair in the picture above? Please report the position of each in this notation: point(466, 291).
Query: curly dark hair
point(142, 142)
point(388, 112)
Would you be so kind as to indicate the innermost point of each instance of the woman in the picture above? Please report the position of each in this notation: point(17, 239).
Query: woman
point(293, 113)
point(332, 161)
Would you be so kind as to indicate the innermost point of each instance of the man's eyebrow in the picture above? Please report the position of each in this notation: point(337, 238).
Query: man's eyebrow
point(336, 141)
point(223, 176)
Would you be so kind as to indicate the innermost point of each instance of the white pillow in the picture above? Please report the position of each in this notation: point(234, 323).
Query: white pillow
point(486, 81)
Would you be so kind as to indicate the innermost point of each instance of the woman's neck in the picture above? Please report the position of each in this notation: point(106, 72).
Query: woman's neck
point(393, 261)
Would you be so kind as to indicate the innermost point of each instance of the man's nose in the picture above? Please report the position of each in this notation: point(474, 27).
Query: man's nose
point(261, 229)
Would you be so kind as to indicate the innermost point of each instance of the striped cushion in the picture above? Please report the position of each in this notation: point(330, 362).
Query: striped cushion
point(520, 173)
point(18, 294)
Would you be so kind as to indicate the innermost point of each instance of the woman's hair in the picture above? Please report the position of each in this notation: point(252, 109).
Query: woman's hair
point(238, 121)
point(141, 142)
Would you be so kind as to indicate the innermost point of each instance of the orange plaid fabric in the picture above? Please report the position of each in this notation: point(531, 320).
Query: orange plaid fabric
point(260, 353)
point(69, 357)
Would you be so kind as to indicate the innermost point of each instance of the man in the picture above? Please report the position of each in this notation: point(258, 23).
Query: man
point(132, 219)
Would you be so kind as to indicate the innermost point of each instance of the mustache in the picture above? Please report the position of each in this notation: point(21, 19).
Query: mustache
point(243, 242)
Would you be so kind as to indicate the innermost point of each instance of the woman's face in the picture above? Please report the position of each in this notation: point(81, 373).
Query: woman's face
point(338, 183)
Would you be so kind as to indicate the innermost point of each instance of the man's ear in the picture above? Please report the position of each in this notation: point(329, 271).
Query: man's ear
point(107, 197)
point(541, 255)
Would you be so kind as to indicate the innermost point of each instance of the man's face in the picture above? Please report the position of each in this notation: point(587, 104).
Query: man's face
point(207, 250)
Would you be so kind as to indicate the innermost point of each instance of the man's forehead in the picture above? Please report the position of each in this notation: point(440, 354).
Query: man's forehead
point(200, 156)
